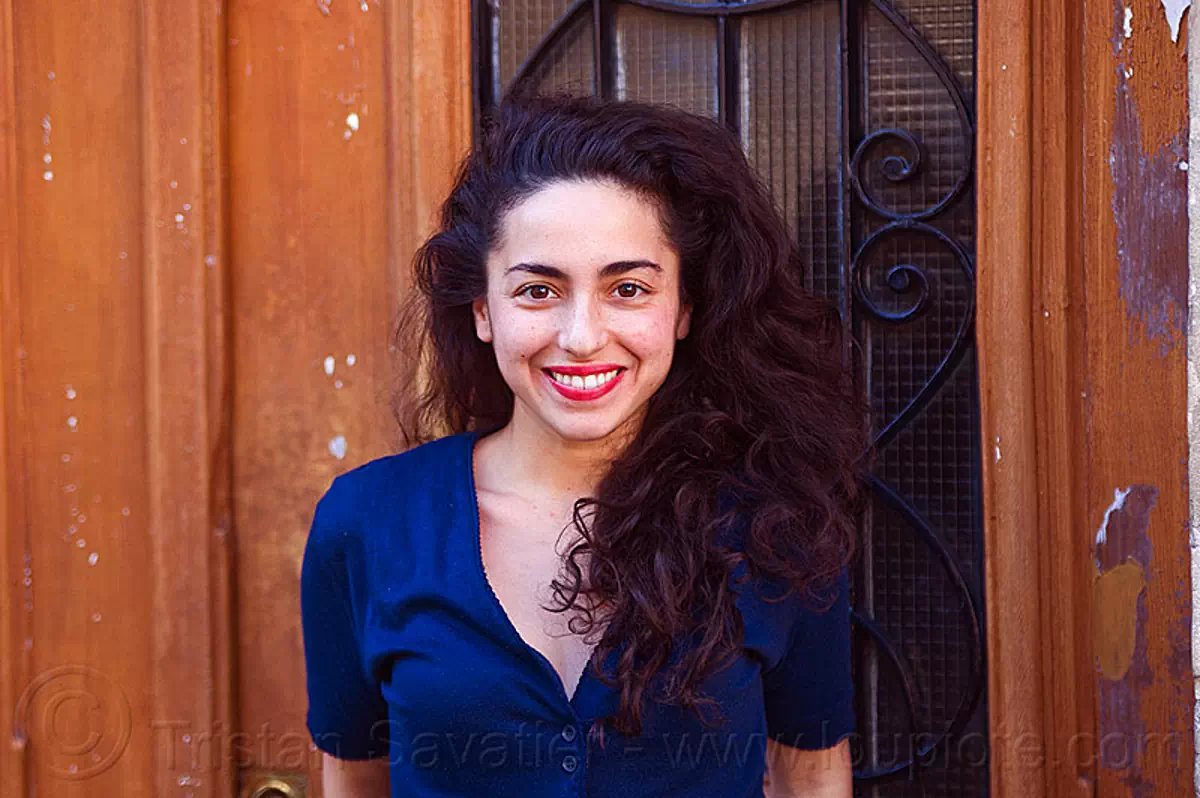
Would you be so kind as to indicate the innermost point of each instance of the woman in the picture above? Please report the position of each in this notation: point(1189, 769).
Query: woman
point(623, 570)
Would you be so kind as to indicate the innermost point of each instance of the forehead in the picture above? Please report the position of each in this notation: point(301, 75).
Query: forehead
point(582, 224)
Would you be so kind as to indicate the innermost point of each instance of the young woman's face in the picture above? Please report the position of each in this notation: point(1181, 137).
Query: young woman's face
point(582, 308)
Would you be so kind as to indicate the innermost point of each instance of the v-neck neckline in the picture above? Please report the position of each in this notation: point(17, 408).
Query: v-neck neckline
point(471, 438)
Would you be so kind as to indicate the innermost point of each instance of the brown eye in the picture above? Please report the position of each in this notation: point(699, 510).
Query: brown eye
point(628, 290)
point(536, 291)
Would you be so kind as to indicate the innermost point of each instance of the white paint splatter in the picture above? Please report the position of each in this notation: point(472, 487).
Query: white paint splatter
point(351, 359)
point(81, 543)
point(1128, 73)
point(47, 158)
point(997, 448)
point(330, 363)
point(1174, 10)
point(1183, 166)
point(1128, 22)
point(92, 558)
point(1118, 502)
point(47, 176)
point(337, 447)
point(72, 422)
point(71, 392)
point(352, 121)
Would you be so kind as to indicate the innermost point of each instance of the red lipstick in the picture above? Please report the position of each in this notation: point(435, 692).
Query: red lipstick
point(584, 394)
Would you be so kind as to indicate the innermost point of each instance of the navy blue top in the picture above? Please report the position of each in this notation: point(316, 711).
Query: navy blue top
point(410, 656)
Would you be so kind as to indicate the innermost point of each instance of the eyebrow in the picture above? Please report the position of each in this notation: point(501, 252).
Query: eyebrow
point(611, 270)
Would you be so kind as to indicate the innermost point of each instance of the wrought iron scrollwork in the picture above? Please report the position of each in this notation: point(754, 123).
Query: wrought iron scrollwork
point(906, 279)
point(900, 278)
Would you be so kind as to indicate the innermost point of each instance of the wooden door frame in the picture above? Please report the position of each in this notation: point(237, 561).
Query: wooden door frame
point(1026, 126)
point(1076, 389)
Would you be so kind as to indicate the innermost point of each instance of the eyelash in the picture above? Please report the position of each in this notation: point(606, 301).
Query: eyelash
point(525, 290)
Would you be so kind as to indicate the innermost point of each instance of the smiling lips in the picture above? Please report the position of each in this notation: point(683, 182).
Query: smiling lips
point(584, 383)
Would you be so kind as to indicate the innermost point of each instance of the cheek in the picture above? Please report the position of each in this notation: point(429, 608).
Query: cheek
point(652, 337)
point(517, 338)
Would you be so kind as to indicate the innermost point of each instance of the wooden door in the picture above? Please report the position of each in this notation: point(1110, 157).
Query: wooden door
point(207, 213)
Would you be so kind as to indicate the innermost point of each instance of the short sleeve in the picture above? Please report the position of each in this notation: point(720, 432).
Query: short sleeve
point(347, 715)
point(809, 693)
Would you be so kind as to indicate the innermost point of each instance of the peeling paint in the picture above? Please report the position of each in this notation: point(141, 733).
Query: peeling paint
point(1114, 606)
point(1124, 531)
point(1128, 22)
point(1149, 205)
point(337, 447)
point(1124, 560)
point(1118, 502)
point(1174, 10)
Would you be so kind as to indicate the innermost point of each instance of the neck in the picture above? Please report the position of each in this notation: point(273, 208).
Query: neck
point(536, 455)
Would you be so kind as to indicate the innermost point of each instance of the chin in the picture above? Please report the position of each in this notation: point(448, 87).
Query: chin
point(584, 430)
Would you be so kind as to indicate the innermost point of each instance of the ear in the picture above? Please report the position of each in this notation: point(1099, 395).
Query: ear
point(685, 322)
point(483, 322)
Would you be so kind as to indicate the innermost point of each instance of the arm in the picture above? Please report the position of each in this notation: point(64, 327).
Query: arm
point(797, 773)
point(363, 778)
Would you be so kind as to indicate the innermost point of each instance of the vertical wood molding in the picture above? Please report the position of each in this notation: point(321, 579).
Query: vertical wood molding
point(1006, 393)
point(13, 520)
point(1057, 321)
point(186, 391)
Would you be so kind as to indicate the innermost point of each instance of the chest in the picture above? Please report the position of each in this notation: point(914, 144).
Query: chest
point(523, 552)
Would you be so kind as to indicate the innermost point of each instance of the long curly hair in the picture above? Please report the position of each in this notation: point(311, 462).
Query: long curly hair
point(758, 429)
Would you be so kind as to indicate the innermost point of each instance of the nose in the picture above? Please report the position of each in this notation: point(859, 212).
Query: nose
point(582, 330)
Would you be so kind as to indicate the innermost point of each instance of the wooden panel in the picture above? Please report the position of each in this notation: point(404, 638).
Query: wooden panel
point(1136, 274)
point(345, 123)
point(1083, 288)
point(186, 384)
point(111, 345)
point(196, 234)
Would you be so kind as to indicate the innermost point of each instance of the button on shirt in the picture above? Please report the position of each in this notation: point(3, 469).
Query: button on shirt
point(410, 656)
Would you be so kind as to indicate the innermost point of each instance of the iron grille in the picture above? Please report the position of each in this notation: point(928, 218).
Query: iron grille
point(859, 116)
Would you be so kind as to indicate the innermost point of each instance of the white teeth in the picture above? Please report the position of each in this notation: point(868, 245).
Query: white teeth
point(583, 383)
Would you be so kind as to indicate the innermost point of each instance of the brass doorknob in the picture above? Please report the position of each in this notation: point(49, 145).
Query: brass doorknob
point(271, 787)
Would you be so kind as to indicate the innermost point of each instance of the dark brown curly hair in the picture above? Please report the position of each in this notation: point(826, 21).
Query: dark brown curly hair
point(758, 427)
